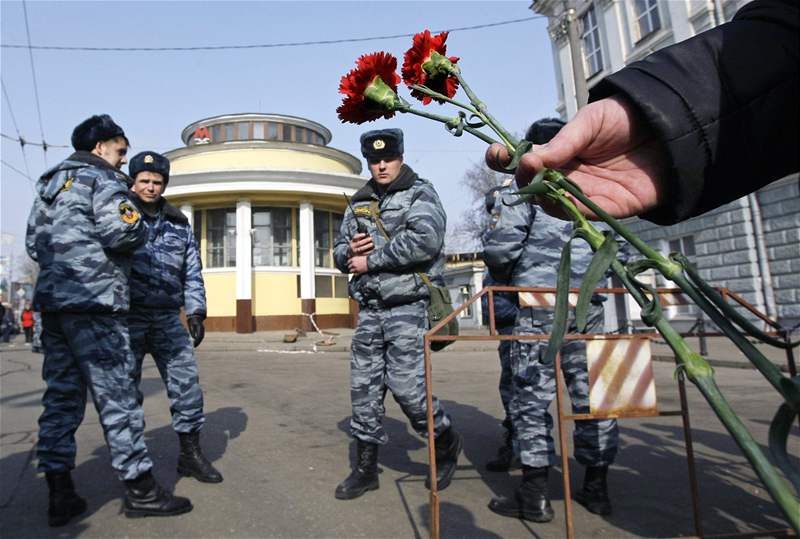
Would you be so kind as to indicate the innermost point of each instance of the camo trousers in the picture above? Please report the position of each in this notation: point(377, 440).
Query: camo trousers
point(163, 336)
point(534, 388)
point(387, 353)
point(89, 351)
point(505, 385)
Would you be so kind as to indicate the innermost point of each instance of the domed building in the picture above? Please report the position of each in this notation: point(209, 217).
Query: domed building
point(264, 194)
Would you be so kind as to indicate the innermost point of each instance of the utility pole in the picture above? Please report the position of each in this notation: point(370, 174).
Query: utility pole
point(569, 20)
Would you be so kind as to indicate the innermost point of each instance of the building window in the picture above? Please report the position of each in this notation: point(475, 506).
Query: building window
point(320, 139)
point(221, 238)
point(309, 135)
point(647, 17)
point(272, 236)
point(197, 226)
point(258, 131)
point(592, 50)
point(273, 131)
point(340, 288)
point(326, 227)
point(216, 134)
point(299, 133)
point(685, 245)
point(287, 133)
point(229, 132)
point(244, 128)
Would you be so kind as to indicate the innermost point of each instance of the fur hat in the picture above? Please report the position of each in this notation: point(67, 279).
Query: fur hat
point(382, 143)
point(98, 128)
point(152, 161)
point(541, 131)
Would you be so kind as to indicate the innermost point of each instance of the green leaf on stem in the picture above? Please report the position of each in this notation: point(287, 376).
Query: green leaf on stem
point(779, 431)
point(562, 305)
point(599, 265)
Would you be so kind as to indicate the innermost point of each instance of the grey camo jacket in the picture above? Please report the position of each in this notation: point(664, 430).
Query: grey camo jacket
point(415, 221)
point(81, 230)
point(166, 271)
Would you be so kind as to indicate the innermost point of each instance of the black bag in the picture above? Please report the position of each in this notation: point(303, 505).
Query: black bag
point(440, 304)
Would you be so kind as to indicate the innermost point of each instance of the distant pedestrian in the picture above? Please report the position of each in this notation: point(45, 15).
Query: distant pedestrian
point(26, 321)
point(7, 323)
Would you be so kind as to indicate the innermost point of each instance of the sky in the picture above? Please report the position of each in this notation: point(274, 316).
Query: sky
point(154, 95)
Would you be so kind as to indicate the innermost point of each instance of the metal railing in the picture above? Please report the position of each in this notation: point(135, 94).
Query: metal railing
point(777, 330)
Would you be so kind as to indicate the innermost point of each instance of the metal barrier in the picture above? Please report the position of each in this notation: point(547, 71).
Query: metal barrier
point(540, 297)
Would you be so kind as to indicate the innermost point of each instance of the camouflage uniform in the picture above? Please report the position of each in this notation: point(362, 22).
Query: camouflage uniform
point(166, 275)
point(81, 231)
point(387, 350)
point(506, 308)
point(524, 249)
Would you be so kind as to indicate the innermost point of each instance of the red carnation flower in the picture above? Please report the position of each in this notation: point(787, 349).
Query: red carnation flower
point(425, 64)
point(370, 89)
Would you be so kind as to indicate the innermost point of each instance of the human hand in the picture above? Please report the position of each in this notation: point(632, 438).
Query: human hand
point(608, 150)
point(357, 265)
point(196, 329)
point(361, 244)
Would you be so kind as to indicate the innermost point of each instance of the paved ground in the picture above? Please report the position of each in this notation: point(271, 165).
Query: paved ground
point(277, 421)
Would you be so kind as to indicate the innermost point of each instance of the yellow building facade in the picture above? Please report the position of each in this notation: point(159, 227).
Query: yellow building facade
point(264, 194)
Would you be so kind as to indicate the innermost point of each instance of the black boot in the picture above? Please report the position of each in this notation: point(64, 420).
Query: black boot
point(192, 462)
point(364, 476)
point(145, 497)
point(64, 502)
point(594, 494)
point(448, 447)
point(505, 460)
point(530, 501)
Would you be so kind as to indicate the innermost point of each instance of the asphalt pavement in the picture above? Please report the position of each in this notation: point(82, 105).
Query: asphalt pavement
point(277, 416)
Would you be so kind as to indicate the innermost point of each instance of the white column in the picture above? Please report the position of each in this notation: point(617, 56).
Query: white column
point(188, 212)
point(306, 241)
point(477, 286)
point(244, 253)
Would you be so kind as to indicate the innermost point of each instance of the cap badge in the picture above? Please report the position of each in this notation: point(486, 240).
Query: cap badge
point(148, 159)
point(379, 144)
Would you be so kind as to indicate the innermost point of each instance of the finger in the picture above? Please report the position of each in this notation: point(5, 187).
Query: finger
point(497, 157)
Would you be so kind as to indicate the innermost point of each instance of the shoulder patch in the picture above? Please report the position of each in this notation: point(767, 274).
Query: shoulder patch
point(361, 210)
point(128, 213)
point(68, 184)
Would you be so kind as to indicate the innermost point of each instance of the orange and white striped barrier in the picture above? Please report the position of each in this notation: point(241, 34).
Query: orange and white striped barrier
point(544, 299)
point(621, 377)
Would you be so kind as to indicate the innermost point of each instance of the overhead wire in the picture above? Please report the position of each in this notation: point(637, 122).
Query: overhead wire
point(18, 171)
point(35, 85)
point(19, 139)
point(262, 45)
point(33, 143)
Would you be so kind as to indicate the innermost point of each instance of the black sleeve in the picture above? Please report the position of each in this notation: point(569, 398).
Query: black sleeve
point(724, 105)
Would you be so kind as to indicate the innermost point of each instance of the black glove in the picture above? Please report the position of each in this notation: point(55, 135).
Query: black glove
point(196, 329)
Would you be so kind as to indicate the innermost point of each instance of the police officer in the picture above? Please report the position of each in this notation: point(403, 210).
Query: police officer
point(506, 307)
point(81, 231)
point(389, 240)
point(524, 249)
point(166, 276)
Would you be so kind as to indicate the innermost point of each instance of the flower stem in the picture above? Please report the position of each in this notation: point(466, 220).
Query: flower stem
point(436, 95)
point(508, 139)
point(445, 120)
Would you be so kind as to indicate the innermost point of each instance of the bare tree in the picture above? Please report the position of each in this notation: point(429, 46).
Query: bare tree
point(478, 180)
